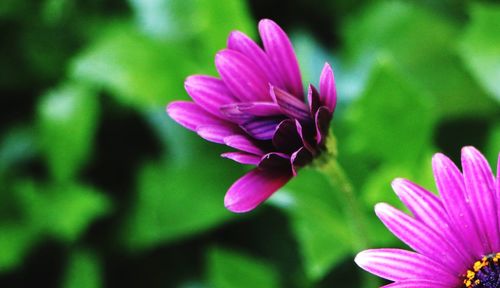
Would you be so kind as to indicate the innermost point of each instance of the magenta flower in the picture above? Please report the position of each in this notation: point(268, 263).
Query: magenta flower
point(456, 237)
point(257, 107)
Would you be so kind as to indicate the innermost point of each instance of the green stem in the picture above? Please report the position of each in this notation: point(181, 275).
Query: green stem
point(330, 167)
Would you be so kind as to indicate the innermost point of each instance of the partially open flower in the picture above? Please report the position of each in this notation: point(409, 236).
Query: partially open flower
point(257, 107)
point(456, 237)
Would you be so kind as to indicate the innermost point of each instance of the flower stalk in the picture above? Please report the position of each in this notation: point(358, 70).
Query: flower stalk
point(331, 168)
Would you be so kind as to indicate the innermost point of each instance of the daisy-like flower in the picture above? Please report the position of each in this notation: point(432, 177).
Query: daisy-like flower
point(257, 107)
point(456, 237)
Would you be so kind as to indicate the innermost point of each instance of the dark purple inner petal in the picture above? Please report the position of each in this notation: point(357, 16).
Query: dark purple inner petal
point(262, 128)
point(300, 158)
point(306, 133)
point(322, 121)
point(313, 99)
point(275, 161)
point(290, 105)
point(286, 139)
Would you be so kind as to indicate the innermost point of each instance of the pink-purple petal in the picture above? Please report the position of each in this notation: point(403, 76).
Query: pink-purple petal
point(242, 158)
point(327, 89)
point(252, 189)
point(289, 104)
point(233, 113)
point(244, 79)
point(450, 184)
point(428, 209)
point(400, 265)
point(421, 238)
point(240, 42)
point(498, 187)
point(216, 133)
point(263, 109)
point(243, 143)
point(190, 115)
point(208, 92)
point(480, 189)
point(280, 51)
point(417, 283)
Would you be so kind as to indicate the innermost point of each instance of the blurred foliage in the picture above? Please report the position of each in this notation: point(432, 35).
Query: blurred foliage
point(228, 269)
point(99, 188)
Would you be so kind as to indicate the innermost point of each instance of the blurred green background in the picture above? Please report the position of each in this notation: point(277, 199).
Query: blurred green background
point(99, 188)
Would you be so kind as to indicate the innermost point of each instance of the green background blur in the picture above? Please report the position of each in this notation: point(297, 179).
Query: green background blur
point(99, 188)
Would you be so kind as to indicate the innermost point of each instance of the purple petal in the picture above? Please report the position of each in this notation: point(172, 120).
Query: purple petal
point(261, 128)
point(242, 43)
point(498, 186)
point(450, 184)
point(216, 133)
point(279, 49)
point(314, 99)
point(300, 158)
point(243, 112)
point(286, 138)
point(290, 105)
point(252, 189)
point(421, 238)
point(417, 283)
point(233, 113)
point(400, 265)
point(275, 161)
point(322, 121)
point(243, 158)
point(260, 108)
point(480, 188)
point(190, 115)
point(327, 89)
point(243, 143)
point(208, 92)
point(428, 209)
point(243, 78)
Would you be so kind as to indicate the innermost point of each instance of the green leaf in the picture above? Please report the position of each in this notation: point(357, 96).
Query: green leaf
point(420, 42)
point(17, 146)
point(228, 269)
point(16, 239)
point(83, 271)
point(67, 119)
point(180, 20)
point(480, 46)
point(137, 70)
point(317, 221)
point(393, 120)
point(492, 150)
point(220, 18)
point(175, 201)
point(62, 211)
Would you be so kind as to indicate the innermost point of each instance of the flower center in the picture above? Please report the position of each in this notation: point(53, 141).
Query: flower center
point(485, 273)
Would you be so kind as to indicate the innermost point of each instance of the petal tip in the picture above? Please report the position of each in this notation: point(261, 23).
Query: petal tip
point(234, 206)
point(360, 259)
point(381, 208)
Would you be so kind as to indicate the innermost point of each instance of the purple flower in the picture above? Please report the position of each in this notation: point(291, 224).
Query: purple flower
point(257, 107)
point(456, 237)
